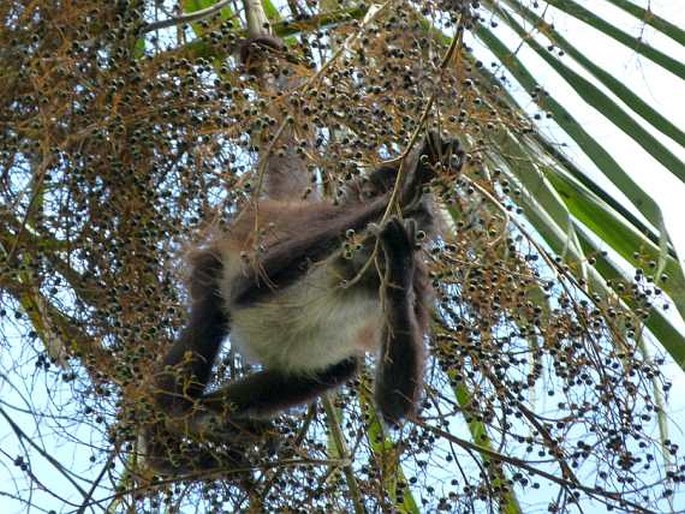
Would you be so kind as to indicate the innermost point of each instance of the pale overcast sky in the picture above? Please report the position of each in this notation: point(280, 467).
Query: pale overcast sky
point(659, 88)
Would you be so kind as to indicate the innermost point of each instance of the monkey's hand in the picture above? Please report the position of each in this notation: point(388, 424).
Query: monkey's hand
point(436, 157)
point(437, 151)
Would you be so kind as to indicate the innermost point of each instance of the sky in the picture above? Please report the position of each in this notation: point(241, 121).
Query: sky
point(664, 92)
point(658, 87)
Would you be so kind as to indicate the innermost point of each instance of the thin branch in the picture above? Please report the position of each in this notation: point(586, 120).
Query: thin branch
point(23, 436)
point(186, 17)
point(341, 447)
point(522, 464)
point(87, 500)
point(447, 58)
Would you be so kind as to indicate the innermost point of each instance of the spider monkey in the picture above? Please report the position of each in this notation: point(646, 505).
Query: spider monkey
point(306, 289)
point(306, 308)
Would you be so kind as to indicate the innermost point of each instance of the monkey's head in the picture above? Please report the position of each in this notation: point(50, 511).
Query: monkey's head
point(367, 188)
point(378, 183)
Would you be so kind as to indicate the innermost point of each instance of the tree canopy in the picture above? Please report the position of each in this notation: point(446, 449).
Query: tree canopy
point(130, 131)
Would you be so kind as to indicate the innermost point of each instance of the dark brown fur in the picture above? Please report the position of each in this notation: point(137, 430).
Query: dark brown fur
point(245, 272)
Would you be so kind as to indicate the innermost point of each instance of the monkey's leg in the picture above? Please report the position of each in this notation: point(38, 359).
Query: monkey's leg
point(188, 366)
point(230, 416)
point(192, 355)
point(268, 392)
point(400, 370)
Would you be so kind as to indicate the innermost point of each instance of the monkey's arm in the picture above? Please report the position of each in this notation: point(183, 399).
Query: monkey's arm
point(400, 366)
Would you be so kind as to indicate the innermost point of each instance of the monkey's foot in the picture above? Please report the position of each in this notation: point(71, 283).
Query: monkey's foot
point(218, 428)
point(397, 237)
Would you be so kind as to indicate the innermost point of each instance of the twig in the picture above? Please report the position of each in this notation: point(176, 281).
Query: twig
point(419, 126)
point(341, 447)
point(22, 436)
point(186, 17)
point(520, 463)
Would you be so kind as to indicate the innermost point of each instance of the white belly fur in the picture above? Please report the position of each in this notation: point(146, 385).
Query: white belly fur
point(307, 327)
